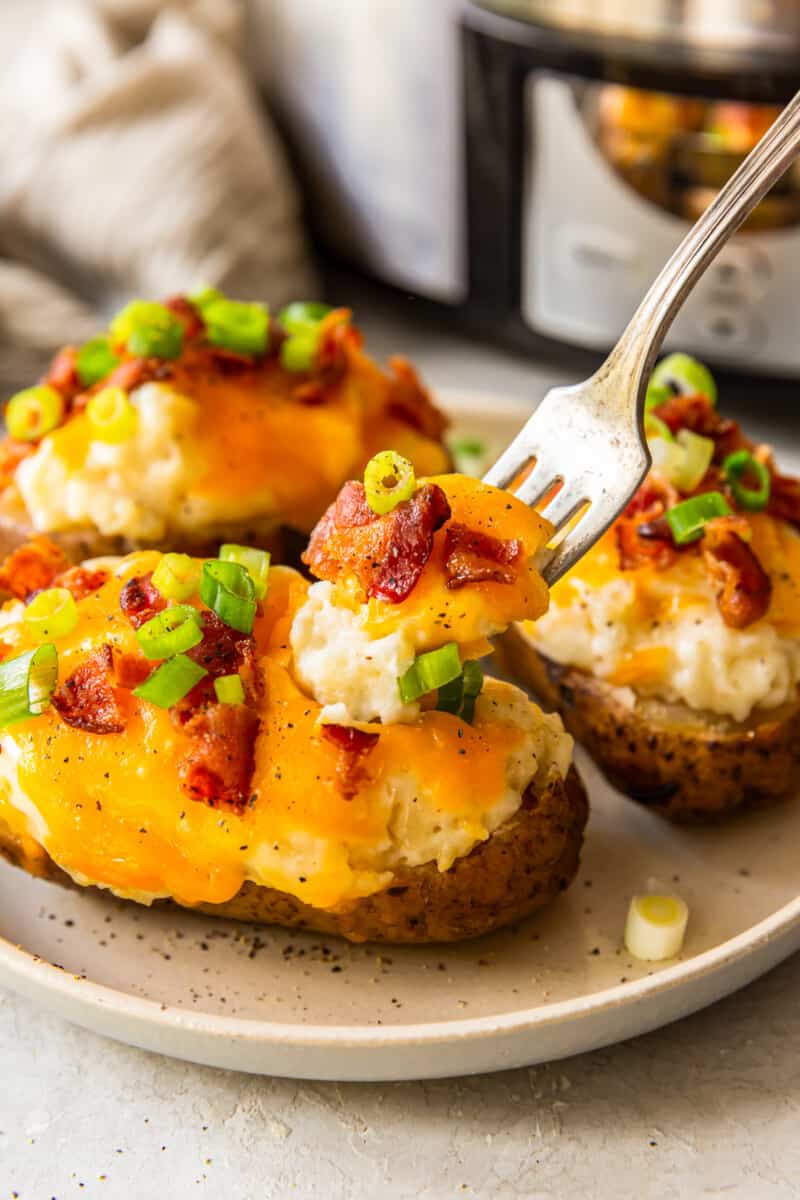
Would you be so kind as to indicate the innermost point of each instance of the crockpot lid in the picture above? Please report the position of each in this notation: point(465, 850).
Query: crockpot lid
point(771, 26)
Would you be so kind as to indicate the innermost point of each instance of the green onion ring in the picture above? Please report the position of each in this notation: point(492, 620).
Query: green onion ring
point(255, 562)
point(170, 681)
point(172, 631)
point(228, 590)
point(389, 479)
point(26, 684)
point(429, 672)
point(736, 467)
point(686, 520)
point(229, 689)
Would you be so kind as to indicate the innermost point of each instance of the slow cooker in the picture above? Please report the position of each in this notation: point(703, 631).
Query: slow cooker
point(530, 164)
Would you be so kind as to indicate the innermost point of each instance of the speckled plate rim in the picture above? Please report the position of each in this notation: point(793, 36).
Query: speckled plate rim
point(403, 1051)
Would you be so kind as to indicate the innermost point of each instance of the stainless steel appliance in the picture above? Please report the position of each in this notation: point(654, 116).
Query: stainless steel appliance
point(530, 163)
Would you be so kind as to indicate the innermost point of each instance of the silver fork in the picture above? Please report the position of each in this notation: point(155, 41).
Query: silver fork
point(589, 437)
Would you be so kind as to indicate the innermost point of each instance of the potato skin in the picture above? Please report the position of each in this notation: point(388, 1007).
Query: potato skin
point(526, 863)
point(685, 765)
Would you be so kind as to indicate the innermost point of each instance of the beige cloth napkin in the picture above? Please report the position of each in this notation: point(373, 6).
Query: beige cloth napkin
point(135, 159)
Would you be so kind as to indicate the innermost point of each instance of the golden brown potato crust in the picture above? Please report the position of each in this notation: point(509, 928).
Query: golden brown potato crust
point(519, 869)
point(686, 765)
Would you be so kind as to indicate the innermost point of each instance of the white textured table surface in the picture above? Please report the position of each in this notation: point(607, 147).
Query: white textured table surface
point(707, 1107)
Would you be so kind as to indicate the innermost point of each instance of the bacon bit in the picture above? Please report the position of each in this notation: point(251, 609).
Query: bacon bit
point(698, 414)
point(130, 669)
point(784, 499)
point(411, 403)
point(218, 769)
point(31, 567)
point(353, 745)
point(81, 581)
point(388, 553)
point(743, 587)
point(188, 315)
point(140, 600)
point(471, 556)
point(62, 374)
point(336, 337)
point(134, 372)
point(643, 538)
point(87, 699)
point(11, 455)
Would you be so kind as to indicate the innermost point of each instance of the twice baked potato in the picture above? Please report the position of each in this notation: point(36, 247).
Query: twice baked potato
point(204, 420)
point(325, 755)
point(672, 650)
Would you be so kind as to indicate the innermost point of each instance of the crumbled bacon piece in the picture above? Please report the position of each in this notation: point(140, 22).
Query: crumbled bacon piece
point(81, 581)
point(187, 314)
point(743, 586)
point(31, 567)
point(643, 538)
point(411, 402)
point(698, 414)
point(140, 599)
point(62, 374)
point(471, 556)
point(353, 745)
point(784, 499)
point(387, 554)
point(218, 769)
point(130, 669)
point(88, 699)
point(134, 372)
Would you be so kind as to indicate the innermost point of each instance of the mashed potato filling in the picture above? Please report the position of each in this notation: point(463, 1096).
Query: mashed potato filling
point(666, 638)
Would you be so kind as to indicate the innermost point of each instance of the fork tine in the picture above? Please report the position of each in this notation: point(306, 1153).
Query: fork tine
point(538, 483)
point(564, 504)
point(511, 463)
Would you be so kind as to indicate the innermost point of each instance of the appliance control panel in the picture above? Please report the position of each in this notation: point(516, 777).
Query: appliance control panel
point(592, 244)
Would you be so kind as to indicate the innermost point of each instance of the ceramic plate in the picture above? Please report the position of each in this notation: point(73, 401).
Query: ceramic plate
point(268, 1001)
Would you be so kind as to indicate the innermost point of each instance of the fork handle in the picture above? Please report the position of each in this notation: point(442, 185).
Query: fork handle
point(636, 350)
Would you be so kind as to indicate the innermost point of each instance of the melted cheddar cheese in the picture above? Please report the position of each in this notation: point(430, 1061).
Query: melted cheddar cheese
point(110, 810)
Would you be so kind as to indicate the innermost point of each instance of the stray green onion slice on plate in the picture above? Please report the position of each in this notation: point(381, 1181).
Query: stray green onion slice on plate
point(255, 562)
point(26, 684)
point(686, 520)
point(111, 416)
point(177, 576)
point(236, 325)
point(95, 360)
point(228, 590)
point(429, 672)
point(229, 689)
point(170, 681)
point(685, 375)
point(32, 413)
point(656, 927)
point(740, 466)
point(148, 329)
point(389, 479)
point(52, 613)
point(172, 631)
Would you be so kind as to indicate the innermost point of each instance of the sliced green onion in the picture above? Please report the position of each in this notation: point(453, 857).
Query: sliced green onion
point(235, 325)
point(697, 455)
point(656, 394)
point(656, 927)
point(299, 351)
point(303, 315)
point(228, 590)
point(388, 480)
point(429, 672)
point(34, 412)
point(172, 631)
point(171, 681)
point(655, 427)
point(459, 695)
point(667, 457)
point(686, 520)
point(148, 329)
point(177, 576)
point(111, 416)
point(52, 613)
point(470, 456)
point(739, 466)
point(95, 360)
point(685, 375)
point(229, 689)
point(203, 295)
point(26, 684)
point(473, 682)
point(255, 562)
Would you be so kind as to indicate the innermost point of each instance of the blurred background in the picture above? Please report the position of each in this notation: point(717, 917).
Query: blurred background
point(516, 171)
